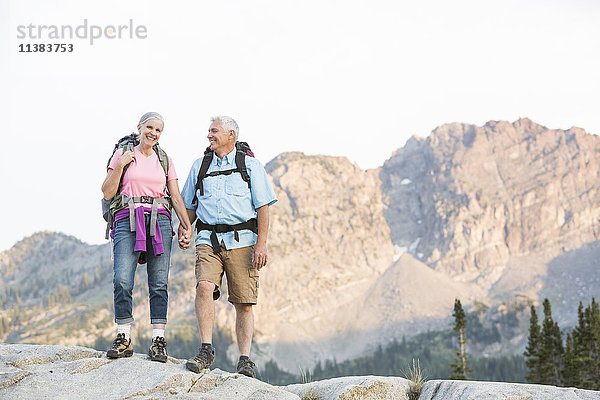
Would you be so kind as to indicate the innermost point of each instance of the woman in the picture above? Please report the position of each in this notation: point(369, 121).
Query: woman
point(142, 232)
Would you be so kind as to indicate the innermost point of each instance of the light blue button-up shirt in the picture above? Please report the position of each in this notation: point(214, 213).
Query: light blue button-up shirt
point(227, 198)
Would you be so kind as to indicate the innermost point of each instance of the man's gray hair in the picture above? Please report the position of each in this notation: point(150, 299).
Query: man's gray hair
point(228, 124)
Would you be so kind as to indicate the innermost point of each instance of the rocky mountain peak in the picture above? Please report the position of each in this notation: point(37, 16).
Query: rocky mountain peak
point(469, 198)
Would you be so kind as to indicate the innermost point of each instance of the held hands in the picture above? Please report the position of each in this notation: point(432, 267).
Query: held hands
point(259, 256)
point(126, 158)
point(185, 237)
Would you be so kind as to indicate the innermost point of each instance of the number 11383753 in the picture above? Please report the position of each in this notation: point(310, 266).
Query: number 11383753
point(46, 48)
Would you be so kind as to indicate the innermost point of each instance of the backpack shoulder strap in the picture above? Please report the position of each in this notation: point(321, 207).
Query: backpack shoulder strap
point(240, 161)
point(128, 147)
point(208, 156)
point(163, 158)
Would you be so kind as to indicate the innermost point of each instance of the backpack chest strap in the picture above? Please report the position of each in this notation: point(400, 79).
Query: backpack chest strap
point(224, 172)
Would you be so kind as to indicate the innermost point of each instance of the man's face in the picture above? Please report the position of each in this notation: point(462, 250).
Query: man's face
point(218, 138)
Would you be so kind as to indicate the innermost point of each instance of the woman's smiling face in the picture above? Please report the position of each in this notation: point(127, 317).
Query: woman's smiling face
point(150, 131)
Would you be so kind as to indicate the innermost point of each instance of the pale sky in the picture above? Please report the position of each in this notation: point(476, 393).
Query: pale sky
point(344, 78)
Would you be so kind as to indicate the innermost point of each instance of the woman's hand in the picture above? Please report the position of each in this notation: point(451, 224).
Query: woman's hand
point(185, 237)
point(126, 158)
point(113, 176)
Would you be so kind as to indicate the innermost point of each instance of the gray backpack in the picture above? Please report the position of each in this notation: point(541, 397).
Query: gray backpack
point(120, 201)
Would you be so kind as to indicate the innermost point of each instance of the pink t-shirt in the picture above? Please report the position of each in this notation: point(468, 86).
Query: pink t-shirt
point(145, 176)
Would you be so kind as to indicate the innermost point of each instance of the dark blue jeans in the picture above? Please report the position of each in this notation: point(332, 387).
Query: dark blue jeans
point(125, 264)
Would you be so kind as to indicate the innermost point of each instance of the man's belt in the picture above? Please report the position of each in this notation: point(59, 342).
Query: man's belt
point(251, 224)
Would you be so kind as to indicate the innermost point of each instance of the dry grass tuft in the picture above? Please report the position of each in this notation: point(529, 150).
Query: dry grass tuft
point(416, 380)
point(310, 393)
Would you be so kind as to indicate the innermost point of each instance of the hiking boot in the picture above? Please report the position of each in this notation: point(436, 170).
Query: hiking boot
point(202, 360)
point(246, 367)
point(158, 349)
point(121, 347)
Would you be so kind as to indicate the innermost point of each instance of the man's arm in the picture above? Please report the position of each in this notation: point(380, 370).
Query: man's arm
point(191, 215)
point(259, 257)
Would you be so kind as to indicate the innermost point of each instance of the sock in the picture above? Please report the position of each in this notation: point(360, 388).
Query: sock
point(206, 344)
point(125, 328)
point(158, 332)
point(244, 358)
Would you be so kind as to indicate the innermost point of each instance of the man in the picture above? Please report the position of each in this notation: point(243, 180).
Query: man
point(232, 207)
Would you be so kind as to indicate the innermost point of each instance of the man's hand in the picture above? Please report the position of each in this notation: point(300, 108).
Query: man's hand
point(259, 256)
point(185, 237)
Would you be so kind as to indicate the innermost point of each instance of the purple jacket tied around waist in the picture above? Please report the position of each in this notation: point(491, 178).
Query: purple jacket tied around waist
point(140, 231)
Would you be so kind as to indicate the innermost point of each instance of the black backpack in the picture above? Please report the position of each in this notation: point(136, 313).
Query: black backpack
point(242, 149)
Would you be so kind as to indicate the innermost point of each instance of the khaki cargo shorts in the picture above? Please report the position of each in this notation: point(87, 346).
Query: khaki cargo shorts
point(242, 278)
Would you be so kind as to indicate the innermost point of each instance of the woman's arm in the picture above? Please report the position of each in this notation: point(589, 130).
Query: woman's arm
point(184, 232)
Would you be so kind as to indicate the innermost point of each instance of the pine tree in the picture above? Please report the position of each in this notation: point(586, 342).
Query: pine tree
point(532, 351)
point(574, 362)
point(551, 349)
point(594, 327)
point(587, 335)
point(460, 366)
point(570, 370)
